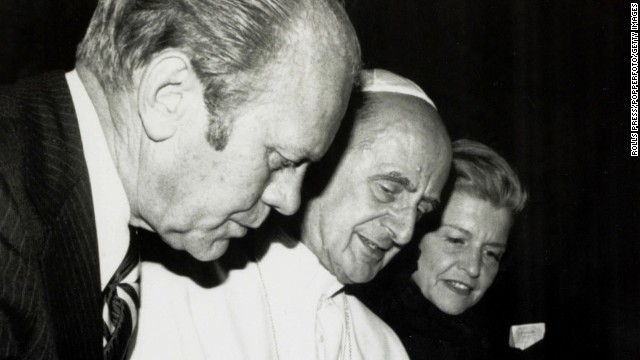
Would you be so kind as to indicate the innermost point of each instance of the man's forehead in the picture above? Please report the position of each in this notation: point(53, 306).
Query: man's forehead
point(308, 117)
point(390, 116)
point(403, 131)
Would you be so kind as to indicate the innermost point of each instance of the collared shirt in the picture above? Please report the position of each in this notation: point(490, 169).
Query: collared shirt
point(110, 204)
point(286, 306)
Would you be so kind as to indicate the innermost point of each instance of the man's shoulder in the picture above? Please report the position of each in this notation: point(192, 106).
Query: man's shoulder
point(29, 106)
point(40, 149)
point(43, 87)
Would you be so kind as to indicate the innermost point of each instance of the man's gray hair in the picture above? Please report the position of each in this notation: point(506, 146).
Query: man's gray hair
point(223, 38)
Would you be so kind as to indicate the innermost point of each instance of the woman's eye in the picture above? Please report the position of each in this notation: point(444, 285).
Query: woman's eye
point(494, 255)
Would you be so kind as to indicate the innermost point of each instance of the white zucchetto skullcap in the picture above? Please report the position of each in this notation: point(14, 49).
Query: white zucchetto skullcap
point(379, 80)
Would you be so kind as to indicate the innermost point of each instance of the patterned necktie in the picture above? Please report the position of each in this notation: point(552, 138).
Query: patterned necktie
point(121, 301)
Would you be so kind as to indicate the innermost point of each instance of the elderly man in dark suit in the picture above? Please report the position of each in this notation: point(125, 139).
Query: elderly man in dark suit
point(189, 118)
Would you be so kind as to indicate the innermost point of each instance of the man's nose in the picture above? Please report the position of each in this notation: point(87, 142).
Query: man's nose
point(283, 192)
point(470, 261)
point(400, 225)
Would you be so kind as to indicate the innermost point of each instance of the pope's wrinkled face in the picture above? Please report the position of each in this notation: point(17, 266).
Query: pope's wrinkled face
point(197, 198)
point(391, 173)
point(459, 261)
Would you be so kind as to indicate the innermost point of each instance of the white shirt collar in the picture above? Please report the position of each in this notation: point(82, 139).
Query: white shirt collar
point(110, 204)
point(303, 269)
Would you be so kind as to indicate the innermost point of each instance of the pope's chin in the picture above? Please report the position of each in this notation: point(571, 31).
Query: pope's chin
point(363, 270)
point(357, 274)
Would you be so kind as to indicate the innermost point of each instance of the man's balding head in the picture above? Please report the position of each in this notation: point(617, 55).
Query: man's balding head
point(384, 112)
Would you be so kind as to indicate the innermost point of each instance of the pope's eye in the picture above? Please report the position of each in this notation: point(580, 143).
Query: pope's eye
point(385, 191)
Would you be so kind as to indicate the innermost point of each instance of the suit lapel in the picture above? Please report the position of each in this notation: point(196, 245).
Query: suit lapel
point(58, 183)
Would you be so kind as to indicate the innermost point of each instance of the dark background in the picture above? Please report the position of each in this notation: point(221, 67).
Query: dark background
point(546, 84)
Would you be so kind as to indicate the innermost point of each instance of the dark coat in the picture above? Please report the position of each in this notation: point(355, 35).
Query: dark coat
point(50, 296)
point(425, 331)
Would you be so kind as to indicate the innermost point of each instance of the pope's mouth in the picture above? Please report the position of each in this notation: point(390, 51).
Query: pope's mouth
point(376, 250)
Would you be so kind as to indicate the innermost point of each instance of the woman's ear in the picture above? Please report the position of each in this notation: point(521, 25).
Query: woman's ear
point(166, 94)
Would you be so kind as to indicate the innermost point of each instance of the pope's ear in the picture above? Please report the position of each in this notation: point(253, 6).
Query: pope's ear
point(167, 90)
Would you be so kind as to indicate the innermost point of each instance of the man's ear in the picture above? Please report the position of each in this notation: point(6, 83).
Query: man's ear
point(167, 90)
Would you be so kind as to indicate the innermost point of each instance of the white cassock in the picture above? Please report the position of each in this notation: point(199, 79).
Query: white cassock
point(286, 306)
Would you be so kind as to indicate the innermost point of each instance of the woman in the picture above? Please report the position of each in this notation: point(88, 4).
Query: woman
point(457, 262)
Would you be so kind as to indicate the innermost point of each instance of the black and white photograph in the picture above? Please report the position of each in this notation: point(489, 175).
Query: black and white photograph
point(319, 179)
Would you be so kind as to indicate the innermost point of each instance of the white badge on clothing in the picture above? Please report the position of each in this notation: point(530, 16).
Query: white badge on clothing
point(525, 335)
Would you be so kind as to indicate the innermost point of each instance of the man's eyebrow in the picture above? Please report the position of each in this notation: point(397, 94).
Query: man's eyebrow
point(398, 178)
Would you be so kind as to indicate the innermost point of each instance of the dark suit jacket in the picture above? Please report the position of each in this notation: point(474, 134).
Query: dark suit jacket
point(50, 302)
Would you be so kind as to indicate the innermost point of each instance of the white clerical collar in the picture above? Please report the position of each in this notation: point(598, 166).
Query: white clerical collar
point(301, 265)
point(110, 204)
